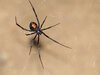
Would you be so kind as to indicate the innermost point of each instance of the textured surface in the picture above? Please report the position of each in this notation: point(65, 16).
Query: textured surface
point(79, 29)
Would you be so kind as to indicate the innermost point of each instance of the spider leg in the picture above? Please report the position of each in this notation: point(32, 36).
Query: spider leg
point(34, 13)
point(39, 52)
point(30, 34)
point(43, 21)
point(55, 41)
point(50, 27)
point(21, 26)
point(32, 44)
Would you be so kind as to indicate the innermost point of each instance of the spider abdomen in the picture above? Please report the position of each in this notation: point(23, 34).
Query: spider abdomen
point(33, 26)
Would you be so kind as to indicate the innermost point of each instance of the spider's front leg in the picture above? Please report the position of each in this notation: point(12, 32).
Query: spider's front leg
point(32, 43)
point(39, 51)
point(55, 41)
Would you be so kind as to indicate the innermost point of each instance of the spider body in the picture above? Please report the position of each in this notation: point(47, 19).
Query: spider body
point(33, 26)
point(37, 29)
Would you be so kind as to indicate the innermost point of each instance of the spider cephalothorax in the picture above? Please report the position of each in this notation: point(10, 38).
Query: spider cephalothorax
point(37, 30)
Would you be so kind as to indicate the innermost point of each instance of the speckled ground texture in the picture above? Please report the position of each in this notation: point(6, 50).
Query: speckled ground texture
point(79, 29)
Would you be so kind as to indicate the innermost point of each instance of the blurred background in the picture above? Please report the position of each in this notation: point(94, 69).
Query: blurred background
point(79, 29)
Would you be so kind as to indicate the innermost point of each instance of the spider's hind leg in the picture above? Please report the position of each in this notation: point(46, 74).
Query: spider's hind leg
point(21, 26)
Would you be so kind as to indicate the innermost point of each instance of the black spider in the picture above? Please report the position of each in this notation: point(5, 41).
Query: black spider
point(37, 29)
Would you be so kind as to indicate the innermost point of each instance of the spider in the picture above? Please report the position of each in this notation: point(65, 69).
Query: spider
point(36, 28)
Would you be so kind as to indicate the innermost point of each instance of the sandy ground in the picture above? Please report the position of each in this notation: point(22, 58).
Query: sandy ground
point(79, 29)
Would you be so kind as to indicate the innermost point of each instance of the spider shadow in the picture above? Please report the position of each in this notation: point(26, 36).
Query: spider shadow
point(35, 43)
point(49, 52)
